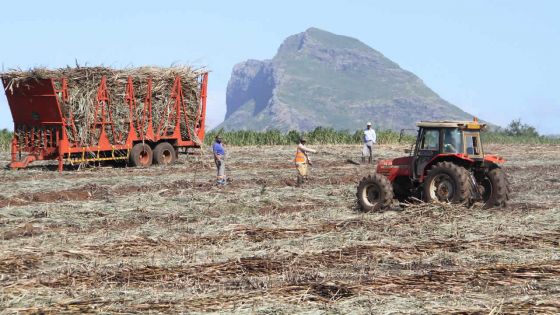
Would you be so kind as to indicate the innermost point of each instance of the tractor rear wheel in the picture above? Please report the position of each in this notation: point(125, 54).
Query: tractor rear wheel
point(164, 154)
point(495, 189)
point(447, 182)
point(141, 155)
point(374, 193)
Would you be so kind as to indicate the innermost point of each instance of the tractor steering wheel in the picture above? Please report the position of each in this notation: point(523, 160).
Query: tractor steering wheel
point(449, 148)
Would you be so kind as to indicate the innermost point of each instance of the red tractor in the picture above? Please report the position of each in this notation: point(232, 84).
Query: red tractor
point(447, 164)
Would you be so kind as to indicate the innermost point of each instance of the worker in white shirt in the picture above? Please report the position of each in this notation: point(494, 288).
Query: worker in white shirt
point(370, 138)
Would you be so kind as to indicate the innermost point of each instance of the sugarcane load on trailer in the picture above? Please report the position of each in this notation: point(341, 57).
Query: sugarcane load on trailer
point(88, 114)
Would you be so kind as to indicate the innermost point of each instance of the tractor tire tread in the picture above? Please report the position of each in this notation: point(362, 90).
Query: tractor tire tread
point(386, 191)
point(458, 173)
point(500, 189)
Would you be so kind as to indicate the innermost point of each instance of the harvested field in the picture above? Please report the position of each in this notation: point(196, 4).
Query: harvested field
point(166, 240)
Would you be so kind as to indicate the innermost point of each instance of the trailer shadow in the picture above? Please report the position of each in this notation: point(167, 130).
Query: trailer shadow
point(52, 167)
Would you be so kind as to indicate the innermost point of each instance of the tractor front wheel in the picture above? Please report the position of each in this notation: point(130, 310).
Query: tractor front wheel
point(374, 193)
point(447, 182)
point(495, 188)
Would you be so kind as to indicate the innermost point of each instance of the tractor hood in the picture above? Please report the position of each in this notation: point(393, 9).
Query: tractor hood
point(395, 167)
point(406, 160)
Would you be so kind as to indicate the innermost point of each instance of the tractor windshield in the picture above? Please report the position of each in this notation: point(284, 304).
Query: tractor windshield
point(452, 141)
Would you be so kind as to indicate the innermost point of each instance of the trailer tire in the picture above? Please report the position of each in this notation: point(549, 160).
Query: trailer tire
point(165, 154)
point(141, 155)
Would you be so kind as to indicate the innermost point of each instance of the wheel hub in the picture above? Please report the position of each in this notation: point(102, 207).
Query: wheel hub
point(373, 193)
point(166, 154)
point(144, 157)
point(442, 188)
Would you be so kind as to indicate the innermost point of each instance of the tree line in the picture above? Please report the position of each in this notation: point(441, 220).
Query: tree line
point(515, 132)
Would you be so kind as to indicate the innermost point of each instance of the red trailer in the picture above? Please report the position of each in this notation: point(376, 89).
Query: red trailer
point(43, 131)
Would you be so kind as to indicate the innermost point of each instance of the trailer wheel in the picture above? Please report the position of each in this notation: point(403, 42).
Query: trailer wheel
point(141, 155)
point(165, 154)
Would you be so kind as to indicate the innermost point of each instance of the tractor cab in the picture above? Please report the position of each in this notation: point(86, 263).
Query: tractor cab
point(446, 140)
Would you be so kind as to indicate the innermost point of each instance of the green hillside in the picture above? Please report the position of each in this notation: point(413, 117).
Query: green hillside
point(321, 79)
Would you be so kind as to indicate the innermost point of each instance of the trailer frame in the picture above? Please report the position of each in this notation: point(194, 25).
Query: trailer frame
point(43, 130)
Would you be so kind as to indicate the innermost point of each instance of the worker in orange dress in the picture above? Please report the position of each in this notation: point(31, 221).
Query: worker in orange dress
point(302, 161)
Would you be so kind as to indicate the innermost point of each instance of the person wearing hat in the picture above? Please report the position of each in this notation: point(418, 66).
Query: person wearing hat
point(302, 160)
point(370, 138)
point(219, 159)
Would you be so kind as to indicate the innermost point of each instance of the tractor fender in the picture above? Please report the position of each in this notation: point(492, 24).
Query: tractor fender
point(459, 159)
point(494, 159)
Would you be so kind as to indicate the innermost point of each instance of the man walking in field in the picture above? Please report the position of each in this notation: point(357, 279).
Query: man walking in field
point(219, 159)
point(370, 138)
point(302, 160)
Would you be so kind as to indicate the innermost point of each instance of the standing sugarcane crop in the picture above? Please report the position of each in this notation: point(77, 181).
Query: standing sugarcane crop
point(302, 161)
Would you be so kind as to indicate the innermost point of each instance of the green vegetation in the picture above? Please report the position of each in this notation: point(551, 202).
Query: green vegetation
point(519, 129)
point(518, 133)
point(5, 139)
point(330, 80)
point(515, 133)
point(503, 138)
point(319, 135)
point(322, 135)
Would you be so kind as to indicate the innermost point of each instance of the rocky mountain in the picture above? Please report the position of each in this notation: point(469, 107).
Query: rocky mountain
point(322, 79)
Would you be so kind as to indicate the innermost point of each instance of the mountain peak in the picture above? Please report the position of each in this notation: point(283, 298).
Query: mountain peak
point(318, 78)
point(316, 37)
point(319, 33)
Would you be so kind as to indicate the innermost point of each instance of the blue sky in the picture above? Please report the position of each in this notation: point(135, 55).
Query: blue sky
point(496, 59)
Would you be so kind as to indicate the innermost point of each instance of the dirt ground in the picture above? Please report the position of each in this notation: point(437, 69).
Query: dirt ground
point(167, 240)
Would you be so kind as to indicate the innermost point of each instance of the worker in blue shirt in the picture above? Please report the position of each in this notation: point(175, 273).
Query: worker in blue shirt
point(219, 159)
